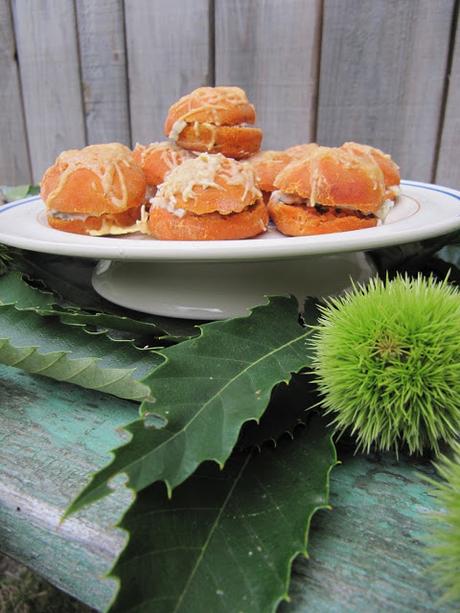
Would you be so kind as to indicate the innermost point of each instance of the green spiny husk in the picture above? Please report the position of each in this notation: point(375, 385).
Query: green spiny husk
point(387, 362)
point(445, 539)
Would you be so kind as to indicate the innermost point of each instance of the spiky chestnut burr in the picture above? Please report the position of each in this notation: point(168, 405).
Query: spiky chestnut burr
point(445, 537)
point(387, 363)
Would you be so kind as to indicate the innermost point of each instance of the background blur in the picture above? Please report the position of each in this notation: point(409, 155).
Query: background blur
point(383, 72)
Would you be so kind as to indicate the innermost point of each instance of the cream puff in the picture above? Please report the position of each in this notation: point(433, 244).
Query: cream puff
point(214, 120)
point(210, 197)
point(95, 190)
point(331, 190)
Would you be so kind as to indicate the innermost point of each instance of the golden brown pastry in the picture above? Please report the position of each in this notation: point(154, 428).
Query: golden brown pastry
point(157, 159)
point(210, 197)
point(389, 168)
point(95, 190)
point(214, 120)
point(331, 190)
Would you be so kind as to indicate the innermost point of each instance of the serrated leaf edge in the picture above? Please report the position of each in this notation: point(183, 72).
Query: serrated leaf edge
point(283, 597)
point(309, 519)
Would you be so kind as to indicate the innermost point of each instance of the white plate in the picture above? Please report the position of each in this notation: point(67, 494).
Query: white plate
point(422, 211)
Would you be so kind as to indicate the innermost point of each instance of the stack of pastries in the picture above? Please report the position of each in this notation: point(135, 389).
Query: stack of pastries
point(210, 181)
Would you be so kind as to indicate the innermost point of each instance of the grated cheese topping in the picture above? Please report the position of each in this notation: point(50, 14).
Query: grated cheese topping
point(104, 161)
point(204, 171)
point(212, 99)
point(171, 154)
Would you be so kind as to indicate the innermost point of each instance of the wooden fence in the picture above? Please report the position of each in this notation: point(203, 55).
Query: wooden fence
point(385, 72)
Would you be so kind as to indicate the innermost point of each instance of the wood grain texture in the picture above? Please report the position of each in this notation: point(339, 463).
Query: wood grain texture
point(270, 49)
point(383, 66)
point(168, 56)
point(448, 168)
point(103, 70)
point(365, 555)
point(14, 157)
point(48, 57)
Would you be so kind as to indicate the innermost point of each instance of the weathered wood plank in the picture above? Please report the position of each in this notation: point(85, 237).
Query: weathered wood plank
point(270, 49)
point(448, 169)
point(103, 70)
point(51, 439)
point(383, 67)
point(48, 58)
point(14, 157)
point(365, 555)
point(168, 56)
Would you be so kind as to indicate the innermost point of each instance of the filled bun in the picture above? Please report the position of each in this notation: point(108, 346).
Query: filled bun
point(335, 177)
point(214, 120)
point(85, 190)
point(330, 190)
point(210, 197)
point(157, 159)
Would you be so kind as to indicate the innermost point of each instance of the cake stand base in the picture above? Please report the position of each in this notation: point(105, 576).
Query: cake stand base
point(218, 290)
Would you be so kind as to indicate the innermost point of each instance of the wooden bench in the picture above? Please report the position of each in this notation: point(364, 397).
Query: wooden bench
point(365, 555)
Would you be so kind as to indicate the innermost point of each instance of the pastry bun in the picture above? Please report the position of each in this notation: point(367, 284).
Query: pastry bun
point(267, 165)
point(335, 177)
point(389, 168)
point(85, 185)
point(210, 197)
point(301, 151)
point(157, 159)
point(212, 226)
point(304, 221)
point(213, 119)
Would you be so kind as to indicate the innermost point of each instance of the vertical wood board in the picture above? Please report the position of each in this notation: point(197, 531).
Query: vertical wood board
point(383, 67)
point(49, 67)
point(103, 70)
point(168, 56)
point(448, 169)
point(270, 49)
point(14, 158)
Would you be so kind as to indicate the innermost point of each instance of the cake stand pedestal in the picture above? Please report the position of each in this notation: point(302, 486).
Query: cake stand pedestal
point(218, 290)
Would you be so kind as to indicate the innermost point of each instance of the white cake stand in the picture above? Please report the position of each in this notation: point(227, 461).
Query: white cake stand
point(218, 279)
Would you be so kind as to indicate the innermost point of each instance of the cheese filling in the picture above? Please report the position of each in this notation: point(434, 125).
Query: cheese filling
point(180, 124)
point(168, 204)
point(293, 199)
point(176, 129)
point(68, 216)
point(107, 226)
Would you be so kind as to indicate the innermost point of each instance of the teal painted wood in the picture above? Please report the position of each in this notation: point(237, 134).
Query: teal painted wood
point(365, 555)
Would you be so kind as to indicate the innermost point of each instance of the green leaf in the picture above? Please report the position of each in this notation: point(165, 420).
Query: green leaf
point(207, 389)
point(70, 281)
point(43, 345)
point(15, 193)
point(15, 290)
point(227, 539)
